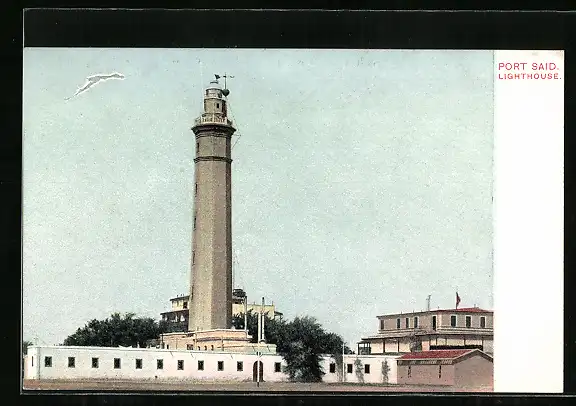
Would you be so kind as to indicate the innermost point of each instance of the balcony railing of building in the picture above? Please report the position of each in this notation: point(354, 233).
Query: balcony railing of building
point(176, 327)
point(439, 329)
point(208, 118)
point(464, 329)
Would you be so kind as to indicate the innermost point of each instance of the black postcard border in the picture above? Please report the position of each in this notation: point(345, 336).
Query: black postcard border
point(286, 29)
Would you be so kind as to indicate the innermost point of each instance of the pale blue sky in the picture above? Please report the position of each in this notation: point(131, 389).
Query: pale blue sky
point(362, 181)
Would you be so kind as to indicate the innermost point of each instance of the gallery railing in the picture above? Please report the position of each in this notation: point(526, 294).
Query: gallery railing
point(212, 118)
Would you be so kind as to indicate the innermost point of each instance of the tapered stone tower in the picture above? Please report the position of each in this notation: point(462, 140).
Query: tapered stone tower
point(211, 274)
point(210, 313)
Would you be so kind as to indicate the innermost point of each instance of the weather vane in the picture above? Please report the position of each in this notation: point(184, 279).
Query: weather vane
point(223, 76)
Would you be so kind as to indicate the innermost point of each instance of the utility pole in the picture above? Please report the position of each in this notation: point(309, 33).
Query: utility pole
point(260, 341)
point(262, 338)
point(246, 315)
point(259, 332)
point(258, 353)
point(343, 364)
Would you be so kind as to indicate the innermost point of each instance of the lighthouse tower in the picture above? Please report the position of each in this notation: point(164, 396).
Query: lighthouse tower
point(210, 313)
point(211, 267)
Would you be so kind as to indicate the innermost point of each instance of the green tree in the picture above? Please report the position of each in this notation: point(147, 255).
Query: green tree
point(25, 345)
point(301, 346)
point(238, 323)
point(359, 371)
point(301, 342)
point(117, 330)
point(385, 371)
point(272, 327)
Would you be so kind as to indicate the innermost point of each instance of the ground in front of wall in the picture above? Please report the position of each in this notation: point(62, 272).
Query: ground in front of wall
point(156, 386)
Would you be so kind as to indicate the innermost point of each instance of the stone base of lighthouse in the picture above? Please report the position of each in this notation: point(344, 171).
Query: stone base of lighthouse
point(222, 340)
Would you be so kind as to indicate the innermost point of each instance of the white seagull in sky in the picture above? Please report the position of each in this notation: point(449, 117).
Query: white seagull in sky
point(94, 79)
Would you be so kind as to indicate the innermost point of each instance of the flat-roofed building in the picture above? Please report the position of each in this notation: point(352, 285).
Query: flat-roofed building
point(238, 298)
point(465, 328)
point(177, 316)
point(471, 369)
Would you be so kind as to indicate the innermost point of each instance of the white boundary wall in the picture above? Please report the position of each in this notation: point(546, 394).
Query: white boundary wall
point(374, 374)
point(35, 367)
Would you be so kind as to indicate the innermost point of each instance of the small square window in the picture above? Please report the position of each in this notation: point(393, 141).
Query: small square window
point(116, 363)
point(407, 323)
point(366, 368)
point(180, 364)
point(239, 366)
point(332, 368)
point(200, 365)
point(220, 365)
point(452, 321)
point(349, 368)
point(95, 363)
point(71, 362)
point(468, 321)
point(482, 322)
point(48, 362)
point(415, 322)
point(138, 363)
point(159, 364)
point(277, 367)
point(398, 323)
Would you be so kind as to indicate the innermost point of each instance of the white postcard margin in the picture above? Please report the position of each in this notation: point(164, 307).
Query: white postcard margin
point(528, 221)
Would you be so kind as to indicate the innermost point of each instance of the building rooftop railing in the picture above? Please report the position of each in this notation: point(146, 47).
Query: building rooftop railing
point(427, 328)
point(208, 118)
point(405, 332)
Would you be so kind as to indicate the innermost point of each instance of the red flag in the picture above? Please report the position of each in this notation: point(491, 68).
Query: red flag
point(457, 300)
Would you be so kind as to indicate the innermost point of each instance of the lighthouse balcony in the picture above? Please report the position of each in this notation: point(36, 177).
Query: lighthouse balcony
point(210, 118)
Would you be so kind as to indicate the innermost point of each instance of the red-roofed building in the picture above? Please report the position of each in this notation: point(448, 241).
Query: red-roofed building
point(472, 369)
point(463, 328)
point(437, 354)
